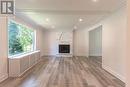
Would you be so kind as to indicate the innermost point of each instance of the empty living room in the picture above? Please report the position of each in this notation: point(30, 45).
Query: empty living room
point(64, 43)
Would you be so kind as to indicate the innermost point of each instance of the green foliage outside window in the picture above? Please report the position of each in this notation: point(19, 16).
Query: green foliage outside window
point(21, 38)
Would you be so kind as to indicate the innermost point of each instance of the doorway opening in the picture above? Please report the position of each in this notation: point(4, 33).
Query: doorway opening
point(95, 45)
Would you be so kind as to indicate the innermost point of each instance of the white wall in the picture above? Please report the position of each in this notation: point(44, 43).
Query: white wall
point(113, 42)
point(52, 40)
point(50, 43)
point(128, 46)
point(3, 49)
point(4, 44)
point(81, 43)
point(95, 42)
point(40, 41)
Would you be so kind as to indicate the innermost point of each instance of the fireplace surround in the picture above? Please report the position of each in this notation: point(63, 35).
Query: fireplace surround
point(65, 44)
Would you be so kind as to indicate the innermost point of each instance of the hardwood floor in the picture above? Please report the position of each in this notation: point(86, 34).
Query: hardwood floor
point(65, 72)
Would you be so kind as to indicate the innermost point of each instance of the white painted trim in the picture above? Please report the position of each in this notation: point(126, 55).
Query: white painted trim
point(94, 55)
point(2, 78)
point(59, 55)
point(28, 69)
point(95, 27)
point(116, 74)
point(18, 56)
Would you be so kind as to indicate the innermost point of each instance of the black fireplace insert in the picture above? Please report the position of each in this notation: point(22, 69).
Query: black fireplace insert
point(64, 48)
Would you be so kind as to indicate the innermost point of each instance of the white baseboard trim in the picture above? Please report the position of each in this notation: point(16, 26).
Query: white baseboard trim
point(48, 56)
point(59, 55)
point(107, 68)
point(94, 55)
point(3, 77)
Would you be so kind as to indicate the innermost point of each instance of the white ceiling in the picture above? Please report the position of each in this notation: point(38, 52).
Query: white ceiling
point(65, 14)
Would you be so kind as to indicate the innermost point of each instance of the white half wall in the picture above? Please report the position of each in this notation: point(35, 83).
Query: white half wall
point(113, 42)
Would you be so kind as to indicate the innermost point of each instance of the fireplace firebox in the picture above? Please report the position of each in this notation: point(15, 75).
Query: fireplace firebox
point(64, 48)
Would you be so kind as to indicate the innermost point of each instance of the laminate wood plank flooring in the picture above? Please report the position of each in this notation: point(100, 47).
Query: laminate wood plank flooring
point(65, 72)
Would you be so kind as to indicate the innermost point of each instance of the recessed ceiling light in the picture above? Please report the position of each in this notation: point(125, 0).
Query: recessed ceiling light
point(75, 27)
point(94, 0)
point(80, 20)
point(53, 27)
point(47, 19)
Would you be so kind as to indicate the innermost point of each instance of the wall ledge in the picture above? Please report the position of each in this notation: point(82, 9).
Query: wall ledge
point(23, 55)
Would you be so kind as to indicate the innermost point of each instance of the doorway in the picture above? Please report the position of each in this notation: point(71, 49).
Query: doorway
point(95, 45)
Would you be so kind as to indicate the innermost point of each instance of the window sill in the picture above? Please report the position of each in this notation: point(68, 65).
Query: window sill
point(22, 55)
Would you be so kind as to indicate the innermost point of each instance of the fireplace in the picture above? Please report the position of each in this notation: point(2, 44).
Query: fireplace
point(64, 48)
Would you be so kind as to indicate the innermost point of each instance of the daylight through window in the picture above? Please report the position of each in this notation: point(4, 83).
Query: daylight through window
point(21, 38)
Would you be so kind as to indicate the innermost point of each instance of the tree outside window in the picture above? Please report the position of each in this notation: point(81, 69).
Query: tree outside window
point(21, 38)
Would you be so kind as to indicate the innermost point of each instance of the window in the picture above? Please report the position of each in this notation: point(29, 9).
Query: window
point(21, 38)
